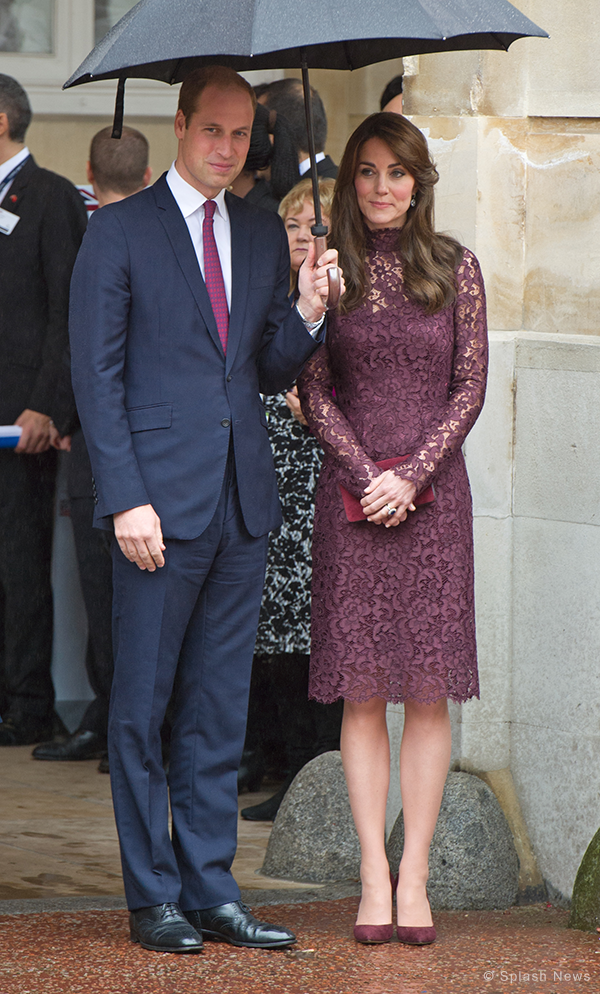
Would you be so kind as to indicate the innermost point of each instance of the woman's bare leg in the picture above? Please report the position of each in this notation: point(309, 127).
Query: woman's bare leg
point(366, 757)
point(424, 762)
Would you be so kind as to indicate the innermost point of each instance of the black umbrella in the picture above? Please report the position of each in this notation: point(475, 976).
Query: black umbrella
point(167, 39)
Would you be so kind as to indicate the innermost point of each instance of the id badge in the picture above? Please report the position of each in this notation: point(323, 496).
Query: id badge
point(8, 221)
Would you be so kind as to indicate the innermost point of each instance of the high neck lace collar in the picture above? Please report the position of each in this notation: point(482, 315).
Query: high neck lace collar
point(382, 239)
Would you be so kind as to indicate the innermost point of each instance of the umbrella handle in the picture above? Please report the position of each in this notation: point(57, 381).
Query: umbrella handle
point(333, 275)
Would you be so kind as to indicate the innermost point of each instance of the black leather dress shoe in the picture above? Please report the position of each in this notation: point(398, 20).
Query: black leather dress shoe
point(235, 923)
point(164, 929)
point(25, 729)
point(80, 745)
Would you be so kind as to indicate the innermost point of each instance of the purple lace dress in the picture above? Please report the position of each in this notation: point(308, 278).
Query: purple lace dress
point(393, 608)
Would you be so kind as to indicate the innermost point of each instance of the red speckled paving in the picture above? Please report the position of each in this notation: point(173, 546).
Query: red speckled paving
point(523, 950)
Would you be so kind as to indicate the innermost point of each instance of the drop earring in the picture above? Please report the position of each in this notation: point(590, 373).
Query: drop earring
point(413, 202)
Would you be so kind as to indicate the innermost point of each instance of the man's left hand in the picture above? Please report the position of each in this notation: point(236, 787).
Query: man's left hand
point(313, 284)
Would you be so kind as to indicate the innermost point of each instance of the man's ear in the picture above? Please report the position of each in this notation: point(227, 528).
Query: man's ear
point(147, 176)
point(4, 125)
point(179, 124)
point(88, 172)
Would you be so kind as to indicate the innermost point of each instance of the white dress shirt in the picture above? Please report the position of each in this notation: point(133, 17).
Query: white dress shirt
point(305, 164)
point(8, 166)
point(191, 204)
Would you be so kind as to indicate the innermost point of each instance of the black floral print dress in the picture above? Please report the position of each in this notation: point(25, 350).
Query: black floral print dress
point(284, 624)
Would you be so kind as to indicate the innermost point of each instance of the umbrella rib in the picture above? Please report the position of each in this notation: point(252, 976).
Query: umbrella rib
point(347, 54)
point(499, 40)
point(175, 72)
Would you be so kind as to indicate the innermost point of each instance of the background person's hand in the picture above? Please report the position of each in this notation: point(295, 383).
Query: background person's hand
point(293, 402)
point(139, 534)
point(60, 442)
point(387, 488)
point(313, 283)
point(35, 437)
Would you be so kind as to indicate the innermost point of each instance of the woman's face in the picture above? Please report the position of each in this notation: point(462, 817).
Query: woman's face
point(383, 186)
point(298, 225)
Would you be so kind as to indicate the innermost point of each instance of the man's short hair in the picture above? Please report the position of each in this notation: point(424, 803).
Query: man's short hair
point(197, 81)
point(393, 89)
point(286, 96)
point(14, 102)
point(119, 164)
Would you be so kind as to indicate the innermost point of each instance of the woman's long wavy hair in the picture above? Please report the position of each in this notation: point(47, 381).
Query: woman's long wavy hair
point(429, 259)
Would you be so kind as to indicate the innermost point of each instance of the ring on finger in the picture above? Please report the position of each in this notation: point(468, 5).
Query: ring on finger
point(391, 510)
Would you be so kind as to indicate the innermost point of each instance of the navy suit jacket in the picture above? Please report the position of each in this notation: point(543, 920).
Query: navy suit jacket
point(156, 396)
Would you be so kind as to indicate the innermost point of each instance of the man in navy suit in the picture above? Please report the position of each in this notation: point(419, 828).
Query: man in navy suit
point(179, 320)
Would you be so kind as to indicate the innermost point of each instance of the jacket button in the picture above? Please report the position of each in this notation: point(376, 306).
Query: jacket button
point(229, 378)
point(226, 422)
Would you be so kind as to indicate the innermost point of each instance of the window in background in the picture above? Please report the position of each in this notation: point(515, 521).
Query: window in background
point(26, 26)
point(107, 13)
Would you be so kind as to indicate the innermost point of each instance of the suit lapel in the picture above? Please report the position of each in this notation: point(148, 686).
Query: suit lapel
point(179, 236)
point(241, 237)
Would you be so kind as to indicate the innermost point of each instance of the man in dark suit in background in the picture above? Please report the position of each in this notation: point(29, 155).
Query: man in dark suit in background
point(180, 318)
point(42, 220)
point(116, 169)
point(286, 97)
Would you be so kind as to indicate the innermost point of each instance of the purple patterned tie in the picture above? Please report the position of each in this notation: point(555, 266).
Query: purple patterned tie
point(213, 274)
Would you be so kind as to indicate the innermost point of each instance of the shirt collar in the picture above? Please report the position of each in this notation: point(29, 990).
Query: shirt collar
point(11, 163)
point(305, 164)
point(188, 198)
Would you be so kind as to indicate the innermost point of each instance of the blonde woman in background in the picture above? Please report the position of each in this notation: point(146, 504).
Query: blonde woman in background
point(281, 659)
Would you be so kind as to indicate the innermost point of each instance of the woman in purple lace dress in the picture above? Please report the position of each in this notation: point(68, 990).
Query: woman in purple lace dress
point(402, 374)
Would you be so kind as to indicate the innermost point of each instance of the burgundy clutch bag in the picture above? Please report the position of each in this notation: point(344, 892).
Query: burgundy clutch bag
point(353, 507)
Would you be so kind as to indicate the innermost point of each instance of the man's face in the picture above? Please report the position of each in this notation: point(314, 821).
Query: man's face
point(214, 145)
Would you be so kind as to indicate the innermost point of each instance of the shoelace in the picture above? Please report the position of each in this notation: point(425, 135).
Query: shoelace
point(172, 912)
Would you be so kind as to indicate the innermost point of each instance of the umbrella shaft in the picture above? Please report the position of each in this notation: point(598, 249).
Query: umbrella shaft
point(311, 139)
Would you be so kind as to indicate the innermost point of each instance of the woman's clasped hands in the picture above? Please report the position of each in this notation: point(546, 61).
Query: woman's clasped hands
point(388, 499)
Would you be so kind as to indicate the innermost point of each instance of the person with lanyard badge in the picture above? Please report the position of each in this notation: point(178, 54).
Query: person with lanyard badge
point(42, 221)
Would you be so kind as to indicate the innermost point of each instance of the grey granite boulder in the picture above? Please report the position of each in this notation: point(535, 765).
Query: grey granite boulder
point(313, 837)
point(473, 862)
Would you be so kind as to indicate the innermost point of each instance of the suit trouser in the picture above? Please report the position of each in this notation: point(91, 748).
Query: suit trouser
point(95, 572)
point(26, 518)
point(190, 626)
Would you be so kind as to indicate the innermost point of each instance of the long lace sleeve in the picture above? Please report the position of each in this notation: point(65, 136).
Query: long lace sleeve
point(328, 424)
point(467, 386)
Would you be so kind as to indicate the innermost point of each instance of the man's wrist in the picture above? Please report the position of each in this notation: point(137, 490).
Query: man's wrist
point(312, 327)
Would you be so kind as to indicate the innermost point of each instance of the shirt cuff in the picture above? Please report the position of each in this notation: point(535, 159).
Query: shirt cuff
point(312, 327)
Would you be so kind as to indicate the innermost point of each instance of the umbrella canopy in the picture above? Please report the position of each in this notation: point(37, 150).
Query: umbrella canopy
point(167, 39)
